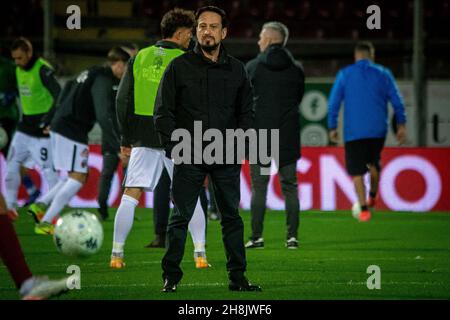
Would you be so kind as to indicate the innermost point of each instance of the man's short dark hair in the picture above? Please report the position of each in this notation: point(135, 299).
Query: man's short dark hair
point(21, 43)
point(118, 54)
point(215, 9)
point(365, 46)
point(175, 19)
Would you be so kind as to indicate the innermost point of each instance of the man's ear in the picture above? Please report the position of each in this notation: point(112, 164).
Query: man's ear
point(177, 35)
point(224, 33)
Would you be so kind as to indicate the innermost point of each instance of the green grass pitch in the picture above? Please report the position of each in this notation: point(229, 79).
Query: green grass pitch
point(411, 249)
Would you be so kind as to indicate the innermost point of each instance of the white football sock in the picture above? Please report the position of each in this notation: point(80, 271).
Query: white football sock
point(68, 190)
point(48, 197)
point(123, 223)
point(197, 228)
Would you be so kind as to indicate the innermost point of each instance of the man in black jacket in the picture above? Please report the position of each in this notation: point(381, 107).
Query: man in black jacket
point(278, 82)
point(80, 105)
point(110, 148)
point(209, 86)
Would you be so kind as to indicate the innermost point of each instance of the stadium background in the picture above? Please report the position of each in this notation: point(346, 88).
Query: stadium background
point(411, 249)
point(323, 34)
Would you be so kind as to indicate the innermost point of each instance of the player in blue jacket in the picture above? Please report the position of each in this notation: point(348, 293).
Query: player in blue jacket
point(365, 88)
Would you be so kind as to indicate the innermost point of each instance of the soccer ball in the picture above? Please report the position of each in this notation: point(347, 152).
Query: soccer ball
point(78, 233)
point(356, 210)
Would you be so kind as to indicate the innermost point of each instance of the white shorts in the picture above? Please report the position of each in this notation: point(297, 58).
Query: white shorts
point(69, 155)
point(145, 168)
point(28, 151)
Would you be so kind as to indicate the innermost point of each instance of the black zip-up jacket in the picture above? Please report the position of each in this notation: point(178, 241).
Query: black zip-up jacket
point(34, 125)
point(278, 83)
point(84, 101)
point(195, 88)
point(136, 130)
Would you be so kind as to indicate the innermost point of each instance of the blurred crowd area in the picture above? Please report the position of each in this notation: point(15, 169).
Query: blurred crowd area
point(307, 19)
point(322, 32)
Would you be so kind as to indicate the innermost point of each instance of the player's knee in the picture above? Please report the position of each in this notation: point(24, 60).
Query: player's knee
point(80, 177)
point(375, 166)
point(133, 192)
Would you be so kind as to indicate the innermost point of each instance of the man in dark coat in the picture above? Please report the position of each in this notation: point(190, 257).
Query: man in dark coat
point(278, 82)
point(209, 86)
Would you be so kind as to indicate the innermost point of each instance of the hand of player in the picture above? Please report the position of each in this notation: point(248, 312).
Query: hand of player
point(401, 134)
point(334, 137)
point(125, 151)
point(46, 130)
point(124, 155)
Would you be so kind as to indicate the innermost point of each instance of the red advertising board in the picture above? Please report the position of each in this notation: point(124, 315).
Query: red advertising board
point(412, 179)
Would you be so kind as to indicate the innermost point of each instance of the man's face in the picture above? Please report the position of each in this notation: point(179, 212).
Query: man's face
point(264, 40)
point(209, 30)
point(185, 35)
point(118, 68)
point(21, 57)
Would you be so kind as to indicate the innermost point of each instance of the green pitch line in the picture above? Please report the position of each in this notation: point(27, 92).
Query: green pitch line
point(411, 249)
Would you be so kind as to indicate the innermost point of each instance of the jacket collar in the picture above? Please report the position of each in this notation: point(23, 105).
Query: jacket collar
point(271, 47)
point(274, 45)
point(30, 63)
point(167, 44)
point(223, 55)
point(364, 62)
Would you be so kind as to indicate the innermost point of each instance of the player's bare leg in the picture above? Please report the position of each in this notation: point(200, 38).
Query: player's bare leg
point(361, 194)
point(360, 189)
point(374, 182)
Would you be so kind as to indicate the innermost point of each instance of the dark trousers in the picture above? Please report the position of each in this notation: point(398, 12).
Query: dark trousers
point(161, 203)
point(110, 163)
point(212, 198)
point(288, 180)
point(187, 184)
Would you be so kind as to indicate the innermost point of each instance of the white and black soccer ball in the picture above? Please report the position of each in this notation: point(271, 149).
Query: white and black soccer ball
point(78, 233)
point(356, 210)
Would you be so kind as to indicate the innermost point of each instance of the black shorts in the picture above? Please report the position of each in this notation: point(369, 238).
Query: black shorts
point(361, 153)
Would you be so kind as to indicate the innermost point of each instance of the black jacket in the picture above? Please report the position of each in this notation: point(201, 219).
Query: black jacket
point(195, 88)
point(278, 83)
point(84, 101)
point(135, 130)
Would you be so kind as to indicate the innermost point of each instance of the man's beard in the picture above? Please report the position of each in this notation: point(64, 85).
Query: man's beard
point(209, 48)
